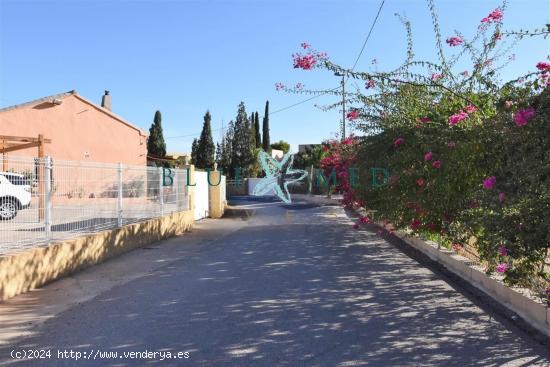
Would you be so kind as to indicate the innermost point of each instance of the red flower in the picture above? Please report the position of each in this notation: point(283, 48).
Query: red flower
point(436, 164)
point(415, 223)
point(425, 119)
point(352, 115)
point(398, 142)
point(543, 66)
point(420, 182)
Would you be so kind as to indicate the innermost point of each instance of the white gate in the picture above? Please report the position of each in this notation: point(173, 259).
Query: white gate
point(201, 195)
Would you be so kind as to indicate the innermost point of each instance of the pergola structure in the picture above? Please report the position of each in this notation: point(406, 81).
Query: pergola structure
point(15, 143)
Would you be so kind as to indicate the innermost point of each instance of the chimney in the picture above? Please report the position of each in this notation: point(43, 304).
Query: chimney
point(106, 101)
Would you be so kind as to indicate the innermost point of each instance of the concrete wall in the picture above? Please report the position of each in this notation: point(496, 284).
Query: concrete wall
point(24, 271)
point(79, 130)
point(216, 195)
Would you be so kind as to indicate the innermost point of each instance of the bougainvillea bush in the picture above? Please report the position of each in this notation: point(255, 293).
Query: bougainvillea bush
point(468, 155)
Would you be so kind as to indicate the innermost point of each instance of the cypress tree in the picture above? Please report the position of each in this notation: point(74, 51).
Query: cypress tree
point(242, 153)
point(194, 151)
point(155, 144)
point(265, 128)
point(258, 137)
point(252, 130)
point(205, 145)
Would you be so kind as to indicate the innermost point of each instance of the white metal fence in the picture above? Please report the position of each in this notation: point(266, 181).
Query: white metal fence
point(43, 199)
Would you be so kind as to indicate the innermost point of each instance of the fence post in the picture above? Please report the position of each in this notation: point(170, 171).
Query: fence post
point(119, 201)
point(176, 189)
point(161, 198)
point(48, 196)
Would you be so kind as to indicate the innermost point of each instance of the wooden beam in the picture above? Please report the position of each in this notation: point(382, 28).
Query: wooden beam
point(19, 147)
point(25, 139)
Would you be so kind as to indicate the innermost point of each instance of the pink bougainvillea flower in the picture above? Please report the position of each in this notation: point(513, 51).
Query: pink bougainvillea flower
point(488, 62)
point(502, 251)
point(501, 197)
point(352, 115)
point(451, 144)
point(436, 164)
point(501, 268)
point(547, 291)
point(428, 156)
point(365, 220)
point(454, 41)
point(398, 142)
point(420, 182)
point(523, 116)
point(415, 223)
point(425, 119)
point(543, 66)
point(489, 182)
point(370, 84)
point(457, 117)
point(471, 109)
point(495, 16)
point(305, 45)
point(309, 60)
point(279, 86)
point(457, 246)
point(436, 76)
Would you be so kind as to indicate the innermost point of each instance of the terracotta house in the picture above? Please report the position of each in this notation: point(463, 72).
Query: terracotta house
point(79, 130)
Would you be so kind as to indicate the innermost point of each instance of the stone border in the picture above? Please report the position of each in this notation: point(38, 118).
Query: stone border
point(26, 270)
point(534, 313)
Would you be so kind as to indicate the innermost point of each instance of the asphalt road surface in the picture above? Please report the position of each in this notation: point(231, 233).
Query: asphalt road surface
point(284, 286)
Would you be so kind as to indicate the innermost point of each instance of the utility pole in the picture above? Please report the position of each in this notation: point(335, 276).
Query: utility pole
point(343, 126)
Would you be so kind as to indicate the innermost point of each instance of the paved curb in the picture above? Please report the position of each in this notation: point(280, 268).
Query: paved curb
point(535, 314)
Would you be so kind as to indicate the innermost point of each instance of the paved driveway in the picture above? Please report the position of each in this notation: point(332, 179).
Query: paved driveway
point(289, 288)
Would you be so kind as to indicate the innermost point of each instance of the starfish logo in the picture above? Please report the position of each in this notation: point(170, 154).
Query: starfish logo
point(278, 175)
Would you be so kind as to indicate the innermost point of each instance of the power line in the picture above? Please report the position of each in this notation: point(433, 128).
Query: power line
point(318, 95)
point(304, 101)
point(368, 35)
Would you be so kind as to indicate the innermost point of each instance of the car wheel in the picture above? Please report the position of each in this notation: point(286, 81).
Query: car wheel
point(8, 209)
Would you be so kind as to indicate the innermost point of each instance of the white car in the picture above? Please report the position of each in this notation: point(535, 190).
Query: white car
point(15, 194)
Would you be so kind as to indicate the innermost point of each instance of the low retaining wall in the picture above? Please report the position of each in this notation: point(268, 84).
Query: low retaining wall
point(536, 314)
point(30, 269)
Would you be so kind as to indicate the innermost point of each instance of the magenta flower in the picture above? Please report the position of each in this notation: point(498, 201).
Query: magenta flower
point(425, 119)
point(415, 223)
point(420, 182)
point(428, 156)
point(547, 291)
point(489, 182)
point(501, 197)
point(523, 116)
point(457, 117)
point(370, 84)
point(436, 76)
point(352, 115)
point(543, 66)
point(502, 251)
point(454, 41)
point(501, 268)
point(495, 16)
point(398, 142)
point(471, 109)
point(279, 86)
point(436, 164)
point(365, 220)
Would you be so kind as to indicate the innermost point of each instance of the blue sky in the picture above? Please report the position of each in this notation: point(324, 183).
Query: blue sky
point(184, 57)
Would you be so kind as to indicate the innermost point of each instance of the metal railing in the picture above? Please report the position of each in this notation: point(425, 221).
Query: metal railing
point(42, 200)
